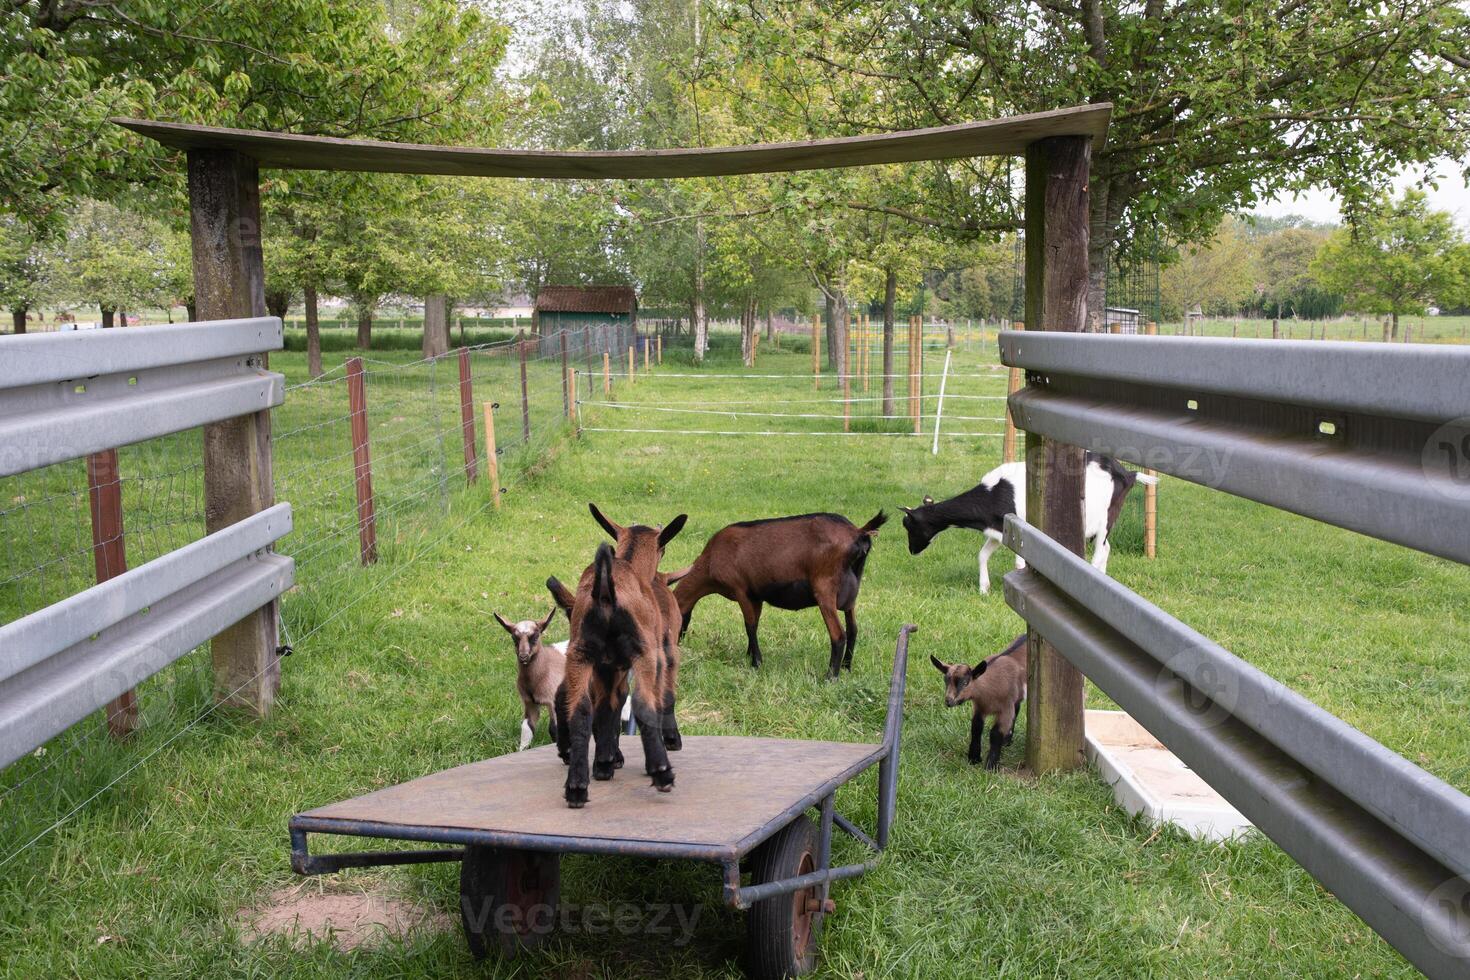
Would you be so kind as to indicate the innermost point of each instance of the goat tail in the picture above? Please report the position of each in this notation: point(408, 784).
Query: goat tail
point(879, 519)
point(603, 592)
point(1148, 478)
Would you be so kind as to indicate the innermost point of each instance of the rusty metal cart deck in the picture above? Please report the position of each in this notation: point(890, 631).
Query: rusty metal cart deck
point(737, 801)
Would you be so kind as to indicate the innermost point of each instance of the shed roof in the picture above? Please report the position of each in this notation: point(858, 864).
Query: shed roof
point(991, 137)
point(586, 299)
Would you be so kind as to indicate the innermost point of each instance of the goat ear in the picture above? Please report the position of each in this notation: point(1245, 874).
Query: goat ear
point(979, 668)
point(939, 665)
point(674, 577)
point(545, 622)
point(509, 627)
point(672, 529)
point(607, 525)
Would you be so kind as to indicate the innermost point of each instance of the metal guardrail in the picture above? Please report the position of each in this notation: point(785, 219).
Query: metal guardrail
point(1387, 838)
point(65, 395)
point(1368, 437)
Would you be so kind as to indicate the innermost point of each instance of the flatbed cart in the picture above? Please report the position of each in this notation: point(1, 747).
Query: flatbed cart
point(738, 802)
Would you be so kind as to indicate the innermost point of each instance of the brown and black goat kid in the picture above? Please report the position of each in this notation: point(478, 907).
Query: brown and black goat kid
point(996, 686)
point(791, 563)
point(624, 620)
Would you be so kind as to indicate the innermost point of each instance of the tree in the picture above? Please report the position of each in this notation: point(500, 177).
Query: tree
point(116, 260)
point(1213, 109)
point(1219, 277)
point(1400, 258)
point(25, 270)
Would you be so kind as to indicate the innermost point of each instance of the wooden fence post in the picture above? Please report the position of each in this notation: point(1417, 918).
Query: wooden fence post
point(229, 282)
point(1056, 299)
point(492, 454)
point(109, 556)
point(647, 344)
point(816, 351)
point(630, 365)
point(467, 417)
point(1275, 329)
point(660, 342)
point(1008, 444)
point(525, 396)
point(566, 395)
point(1151, 499)
point(606, 374)
point(362, 465)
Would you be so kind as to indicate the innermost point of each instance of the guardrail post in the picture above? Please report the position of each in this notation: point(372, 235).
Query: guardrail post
point(229, 281)
point(362, 464)
point(467, 417)
point(492, 454)
point(1056, 299)
point(525, 394)
point(109, 555)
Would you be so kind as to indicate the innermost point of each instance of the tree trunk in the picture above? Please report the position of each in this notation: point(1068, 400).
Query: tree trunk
point(701, 321)
point(313, 334)
point(829, 318)
point(107, 317)
point(839, 332)
point(436, 325)
point(18, 317)
point(1395, 334)
point(191, 309)
point(364, 328)
point(890, 293)
point(770, 325)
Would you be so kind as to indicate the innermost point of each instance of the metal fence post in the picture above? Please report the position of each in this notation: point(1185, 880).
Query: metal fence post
point(492, 454)
point(566, 394)
point(109, 555)
point(467, 416)
point(1056, 299)
point(362, 465)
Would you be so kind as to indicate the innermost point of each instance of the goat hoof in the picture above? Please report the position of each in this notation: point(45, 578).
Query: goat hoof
point(617, 758)
point(663, 779)
point(576, 797)
point(673, 743)
point(975, 760)
point(603, 771)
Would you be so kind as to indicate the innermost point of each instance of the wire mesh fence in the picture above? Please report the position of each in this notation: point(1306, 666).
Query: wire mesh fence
point(54, 543)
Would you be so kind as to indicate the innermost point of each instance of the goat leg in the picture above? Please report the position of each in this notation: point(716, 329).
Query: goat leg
point(673, 741)
point(560, 728)
point(751, 610)
point(997, 739)
point(606, 728)
point(581, 733)
point(851, 619)
point(977, 733)
point(834, 631)
point(647, 700)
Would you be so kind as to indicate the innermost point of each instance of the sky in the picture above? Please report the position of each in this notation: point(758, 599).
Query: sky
point(1320, 204)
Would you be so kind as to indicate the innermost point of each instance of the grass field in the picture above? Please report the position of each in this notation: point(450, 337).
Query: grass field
point(400, 671)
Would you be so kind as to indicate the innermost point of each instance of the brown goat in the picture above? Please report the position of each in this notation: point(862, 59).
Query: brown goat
point(790, 562)
point(539, 670)
point(623, 621)
point(996, 686)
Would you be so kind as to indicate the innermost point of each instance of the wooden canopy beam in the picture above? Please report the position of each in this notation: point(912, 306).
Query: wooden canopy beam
point(993, 137)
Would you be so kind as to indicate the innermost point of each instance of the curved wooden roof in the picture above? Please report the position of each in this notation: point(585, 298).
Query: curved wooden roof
point(991, 137)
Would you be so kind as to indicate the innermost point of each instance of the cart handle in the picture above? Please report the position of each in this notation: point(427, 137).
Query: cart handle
point(892, 730)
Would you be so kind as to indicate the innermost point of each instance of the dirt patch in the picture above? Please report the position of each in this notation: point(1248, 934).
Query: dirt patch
point(348, 919)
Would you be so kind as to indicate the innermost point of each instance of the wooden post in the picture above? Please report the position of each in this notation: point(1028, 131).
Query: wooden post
point(1056, 299)
point(606, 374)
point(492, 454)
point(109, 556)
point(576, 407)
point(1008, 444)
point(362, 465)
point(660, 341)
point(847, 374)
point(229, 282)
point(1151, 499)
point(566, 392)
point(1275, 329)
point(630, 365)
point(816, 350)
point(645, 354)
point(525, 396)
point(467, 417)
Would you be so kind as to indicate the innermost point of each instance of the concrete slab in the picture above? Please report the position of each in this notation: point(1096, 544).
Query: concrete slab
point(1147, 778)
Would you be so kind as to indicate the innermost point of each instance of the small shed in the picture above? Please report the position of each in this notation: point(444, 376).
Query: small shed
point(574, 307)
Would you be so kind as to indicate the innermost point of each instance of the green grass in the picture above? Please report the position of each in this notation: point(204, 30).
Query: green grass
point(400, 671)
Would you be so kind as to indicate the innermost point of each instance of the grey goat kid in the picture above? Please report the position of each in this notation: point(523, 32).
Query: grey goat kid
point(540, 668)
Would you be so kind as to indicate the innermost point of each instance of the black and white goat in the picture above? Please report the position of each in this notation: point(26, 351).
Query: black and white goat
point(1002, 491)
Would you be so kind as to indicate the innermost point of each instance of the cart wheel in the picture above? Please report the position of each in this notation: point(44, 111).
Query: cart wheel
point(508, 898)
point(781, 932)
